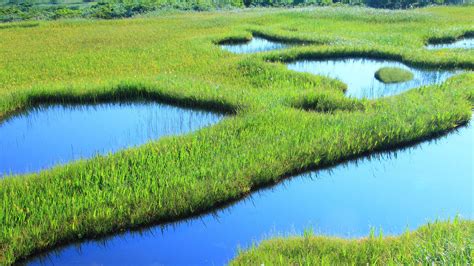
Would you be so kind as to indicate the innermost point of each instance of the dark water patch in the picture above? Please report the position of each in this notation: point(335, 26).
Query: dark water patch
point(56, 134)
point(465, 43)
point(358, 74)
point(395, 191)
point(255, 45)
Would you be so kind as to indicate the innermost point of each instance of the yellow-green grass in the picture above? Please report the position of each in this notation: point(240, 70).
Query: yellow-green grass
point(439, 243)
point(282, 122)
point(393, 75)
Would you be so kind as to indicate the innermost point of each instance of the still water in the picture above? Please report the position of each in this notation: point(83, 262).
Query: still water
point(56, 134)
point(253, 46)
point(393, 190)
point(358, 74)
point(467, 43)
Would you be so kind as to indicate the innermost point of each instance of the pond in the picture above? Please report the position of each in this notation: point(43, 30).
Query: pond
point(56, 134)
point(465, 43)
point(358, 74)
point(395, 191)
point(253, 46)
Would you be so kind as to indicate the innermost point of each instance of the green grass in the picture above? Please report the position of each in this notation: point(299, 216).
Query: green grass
point(282, 122)
point(393, 75)
point(439, 243)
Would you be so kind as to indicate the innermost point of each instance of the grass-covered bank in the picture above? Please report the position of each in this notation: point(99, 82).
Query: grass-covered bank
point(268, 136)
point(435, 243)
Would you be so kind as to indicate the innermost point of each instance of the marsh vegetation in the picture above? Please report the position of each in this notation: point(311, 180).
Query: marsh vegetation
point(52, 135)
point(283, 121)
point(435, 243)
point(393, 75)
point(346, 201)
point(463, 43)
point(360, 75)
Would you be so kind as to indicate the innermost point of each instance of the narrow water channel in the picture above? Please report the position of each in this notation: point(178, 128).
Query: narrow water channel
point(465, 43)
point(394, 191)
point(358, 74)
point(50, 135)
point(253, 46)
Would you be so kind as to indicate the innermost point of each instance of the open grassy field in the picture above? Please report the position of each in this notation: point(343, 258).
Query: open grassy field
point(280, 122)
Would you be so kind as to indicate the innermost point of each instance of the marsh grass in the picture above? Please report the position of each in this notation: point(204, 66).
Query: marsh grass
point(393, 75)
point(451, 37)
point(448, 242)
point(174, 58)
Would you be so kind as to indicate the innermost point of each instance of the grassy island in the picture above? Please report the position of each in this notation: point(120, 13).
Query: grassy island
point(393, 75)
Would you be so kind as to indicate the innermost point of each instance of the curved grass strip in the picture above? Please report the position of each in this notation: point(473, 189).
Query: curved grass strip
point(64, 133)
point(411, 58)
point(266, 140)
point(450, 37)
point(459, 44)
point(435, 243)
point(210, 167)
point(393, 75)
point(277, 36)
point(374, 175)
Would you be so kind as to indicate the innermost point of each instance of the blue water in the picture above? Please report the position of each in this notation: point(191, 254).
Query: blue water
point(467, 43)
point(57, 134)
point(358, 74)
point(393, 190)
point(253, 46)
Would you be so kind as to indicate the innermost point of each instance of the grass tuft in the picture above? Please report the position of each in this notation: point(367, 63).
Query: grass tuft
point(393, 75)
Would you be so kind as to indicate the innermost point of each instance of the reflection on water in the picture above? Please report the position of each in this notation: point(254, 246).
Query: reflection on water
point(358, 74)
point(393, 191)
point(255, 45)
point(57, 134)
point(467, 43)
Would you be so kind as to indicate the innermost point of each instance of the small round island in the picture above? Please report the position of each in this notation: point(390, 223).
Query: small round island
point(393, 75)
